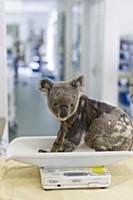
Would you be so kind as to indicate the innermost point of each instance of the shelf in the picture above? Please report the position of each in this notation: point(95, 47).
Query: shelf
point(123, 89)
point(126, 62)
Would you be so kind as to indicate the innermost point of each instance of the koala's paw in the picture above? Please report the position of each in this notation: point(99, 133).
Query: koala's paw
point(67, 146)
point(55, 147)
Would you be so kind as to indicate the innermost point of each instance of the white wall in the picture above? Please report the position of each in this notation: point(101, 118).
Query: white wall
point(3, 67)
point(125, 15)
point(91, 45)
point(110, 51)
point(70, 70)
point(3, 70)
point(100, 48)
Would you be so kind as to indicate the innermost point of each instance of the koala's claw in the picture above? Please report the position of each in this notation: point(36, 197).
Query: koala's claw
point(42, 151)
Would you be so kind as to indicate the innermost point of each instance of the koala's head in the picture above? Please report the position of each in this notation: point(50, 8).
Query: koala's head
point(63, 97)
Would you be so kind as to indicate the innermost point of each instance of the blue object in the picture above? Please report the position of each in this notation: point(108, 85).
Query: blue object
point(124, 98)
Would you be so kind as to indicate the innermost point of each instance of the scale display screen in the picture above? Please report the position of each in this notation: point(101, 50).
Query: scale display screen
point(76, 174)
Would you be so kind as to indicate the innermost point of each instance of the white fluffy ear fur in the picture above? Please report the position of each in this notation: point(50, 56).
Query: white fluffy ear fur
point(45, 85)
point(78, 82)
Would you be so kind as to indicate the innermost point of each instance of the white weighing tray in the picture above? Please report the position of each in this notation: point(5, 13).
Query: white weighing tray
point(25, 149)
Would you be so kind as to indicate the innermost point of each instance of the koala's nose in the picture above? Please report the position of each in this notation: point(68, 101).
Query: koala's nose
point(63, 111)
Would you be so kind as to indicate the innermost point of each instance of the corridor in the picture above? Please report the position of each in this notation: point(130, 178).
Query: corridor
point(32, 114)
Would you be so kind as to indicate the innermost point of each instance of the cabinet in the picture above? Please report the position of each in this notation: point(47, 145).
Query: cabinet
point(124, 72)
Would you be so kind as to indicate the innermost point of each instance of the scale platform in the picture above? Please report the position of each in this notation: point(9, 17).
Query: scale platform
point(25, 149)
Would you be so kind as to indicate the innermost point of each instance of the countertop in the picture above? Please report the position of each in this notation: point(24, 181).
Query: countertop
point(22, 182)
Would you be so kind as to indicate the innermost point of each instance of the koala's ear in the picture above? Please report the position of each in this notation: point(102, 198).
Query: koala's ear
point(45, 85)
point(78, 82)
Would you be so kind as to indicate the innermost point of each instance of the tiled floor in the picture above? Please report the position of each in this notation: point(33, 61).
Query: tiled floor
point(32, 114)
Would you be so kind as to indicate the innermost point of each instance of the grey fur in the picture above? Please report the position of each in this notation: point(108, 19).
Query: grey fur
point(102, 127)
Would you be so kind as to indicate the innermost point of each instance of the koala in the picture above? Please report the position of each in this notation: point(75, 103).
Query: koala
point(100, 126)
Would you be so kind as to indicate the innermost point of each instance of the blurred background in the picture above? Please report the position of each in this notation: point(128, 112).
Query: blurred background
point(37, 36)
point(61, 39)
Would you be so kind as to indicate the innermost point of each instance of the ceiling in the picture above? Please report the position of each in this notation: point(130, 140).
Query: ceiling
point(31, 5)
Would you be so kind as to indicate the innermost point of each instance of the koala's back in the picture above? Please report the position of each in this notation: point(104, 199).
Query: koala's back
point(109, 127)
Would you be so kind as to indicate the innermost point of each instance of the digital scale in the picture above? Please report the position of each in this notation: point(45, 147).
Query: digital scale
point(66, 178)
point(66, 169)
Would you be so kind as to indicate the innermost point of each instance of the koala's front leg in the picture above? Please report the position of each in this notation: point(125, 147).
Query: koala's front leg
point(66, 142)
point(63, 145)
point(58, 142)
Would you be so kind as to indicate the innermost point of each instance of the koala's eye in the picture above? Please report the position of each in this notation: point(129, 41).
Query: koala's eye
point(55, 104)
point(72, 105)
